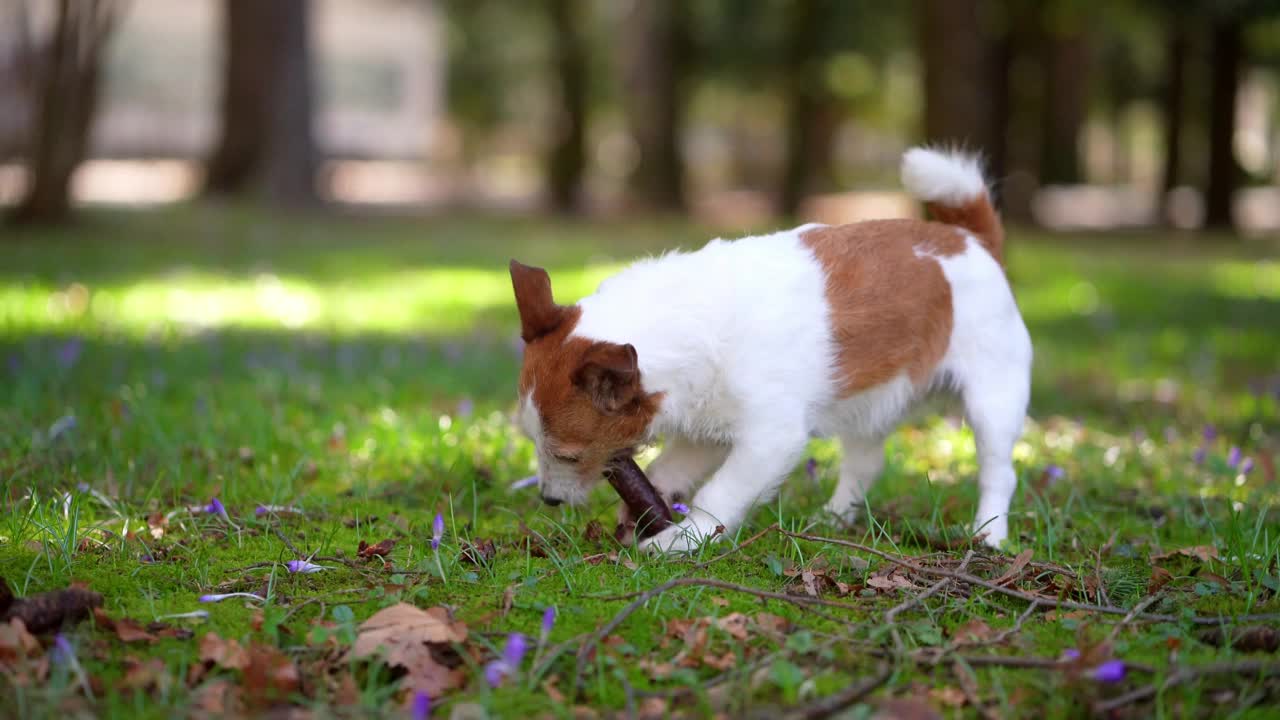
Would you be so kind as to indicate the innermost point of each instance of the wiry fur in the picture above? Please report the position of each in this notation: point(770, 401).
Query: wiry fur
point(737, 340)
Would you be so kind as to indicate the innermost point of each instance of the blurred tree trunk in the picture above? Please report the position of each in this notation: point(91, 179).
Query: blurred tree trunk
point(247, 47)
point(267, 140)
point(812, 111)
point(70, 78)
point(957, 59)
point(658, 61)
point(1224, 172)
point(1066, 66)
point(1179, 45)
point(566, 165)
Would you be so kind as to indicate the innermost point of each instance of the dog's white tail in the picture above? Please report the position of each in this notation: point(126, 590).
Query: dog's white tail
point(953, 190)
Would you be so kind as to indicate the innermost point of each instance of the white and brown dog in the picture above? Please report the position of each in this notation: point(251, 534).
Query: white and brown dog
point(737, 354)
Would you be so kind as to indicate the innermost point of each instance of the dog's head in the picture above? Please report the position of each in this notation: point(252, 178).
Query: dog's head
point(581, 400)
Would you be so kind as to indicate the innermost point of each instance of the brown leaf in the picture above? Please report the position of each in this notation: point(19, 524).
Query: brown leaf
point(1204, 552)
point(770, 623)
point(157, 522)
point(270, 675)
point(1016, 568)
point(223, 652)
point(1253, 638)
point(382, 549)
point(414, 639)
point(126, 629)
point(481, 552)
point(735, 624)
point(1216, 578)
point(594, 531)
point(904, 709)
point(549, 687)
point(1159, 578)
point(16, 643)
point(140, 675)
point(974, 631)
point(949, 696)
point(217, 699)
point(720, 662)
point(720, 602)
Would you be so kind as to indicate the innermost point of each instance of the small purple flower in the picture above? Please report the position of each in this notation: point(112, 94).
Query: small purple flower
point(69, 352)
point(1198, 456)
point(1111, 671)
point(1233, 457)
point(680, 508)
point(1246, 466)
point(811, 469)
point(62, 651)
point(509, 663)
point(421, 706)
point(548, 622)
point(304, 566)
point(523, 483)
point(466, 406)
point(1210, 433)
point(1054, 473)
point(215, 507)
point(437, 531)
point(1071, 654)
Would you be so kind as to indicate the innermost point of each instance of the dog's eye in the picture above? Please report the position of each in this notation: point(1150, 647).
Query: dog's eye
point(566, 458)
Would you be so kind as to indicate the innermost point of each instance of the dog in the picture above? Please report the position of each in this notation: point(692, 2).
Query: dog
point(737, 354)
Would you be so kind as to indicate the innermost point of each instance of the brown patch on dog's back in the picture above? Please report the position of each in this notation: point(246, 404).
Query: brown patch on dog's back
point(891, 309)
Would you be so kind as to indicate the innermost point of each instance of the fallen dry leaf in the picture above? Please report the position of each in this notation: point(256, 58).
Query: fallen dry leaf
point(145, 675)
point(127, 630)
point(1015, 569)
point(1254, 638)
point(720, 602)
point(224, 653)
point(949, 696)
point(904, 709)
point(217, 699)
point(270, 676)
point(157, 523)
point(594, 531)
point(415, 640)
point(735, 624)
point(1159, 578)
point(481, 552)
point(382, 549)
point(1204, 552)
point(771, 623)
point(974, 631)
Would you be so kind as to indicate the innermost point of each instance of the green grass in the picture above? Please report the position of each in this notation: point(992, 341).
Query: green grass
point(363, 369)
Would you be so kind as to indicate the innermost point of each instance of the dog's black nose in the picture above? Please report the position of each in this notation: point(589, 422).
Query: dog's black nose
point(551, 501)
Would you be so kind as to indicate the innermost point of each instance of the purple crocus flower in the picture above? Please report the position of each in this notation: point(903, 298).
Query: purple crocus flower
point(437, 531)
point(69, 352)
point(304, 566)
point(811, 469)
point(1111, 671)
point(1198, 456)
point(523, 483)
point(215, 507)
point(1054, 473)
point(62, 651)
point(1210, 433)
point(1071, 654)
point(466, 406)
point(421, 706)
point(1246, 466)
point(680, 508)
point(509, 663)
point(1233, 457)
point(548, 622)
point(224, 596)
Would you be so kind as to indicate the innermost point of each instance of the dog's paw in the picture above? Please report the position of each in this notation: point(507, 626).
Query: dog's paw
point(681, 538)
point(995, 530)
point(842, 514)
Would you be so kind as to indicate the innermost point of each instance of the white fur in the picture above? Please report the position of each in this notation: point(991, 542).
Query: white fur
point(943, 176)
point(737, 337)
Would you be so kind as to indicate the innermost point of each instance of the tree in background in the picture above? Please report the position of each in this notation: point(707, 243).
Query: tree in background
point(69, 72)
point(1066, 65)
point(1227, 51)
point(956, 51)
point(567, 158)
point(658, 62)
point(812, 114)
point(267, 143)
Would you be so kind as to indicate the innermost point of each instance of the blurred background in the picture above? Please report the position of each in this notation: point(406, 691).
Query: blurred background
point(317, 199)
point(1134, 113)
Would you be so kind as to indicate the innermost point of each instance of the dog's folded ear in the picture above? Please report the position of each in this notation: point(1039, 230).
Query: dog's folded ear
point(539, 313)
point(610, 374)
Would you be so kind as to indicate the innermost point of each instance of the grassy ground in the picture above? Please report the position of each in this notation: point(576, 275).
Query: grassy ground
point(361, 371)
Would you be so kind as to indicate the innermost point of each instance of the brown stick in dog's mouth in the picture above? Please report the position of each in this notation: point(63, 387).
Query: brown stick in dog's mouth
point(645, 505)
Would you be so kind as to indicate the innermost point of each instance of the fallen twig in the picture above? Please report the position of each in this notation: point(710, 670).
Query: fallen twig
point(890, 617)
point(739, 546)
point(1027, 597)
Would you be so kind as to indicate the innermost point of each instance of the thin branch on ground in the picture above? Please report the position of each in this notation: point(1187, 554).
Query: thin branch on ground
point(739, 546)
point(1136, 611)
point(1253, 668)
point(1027, 597)
point(890, 617)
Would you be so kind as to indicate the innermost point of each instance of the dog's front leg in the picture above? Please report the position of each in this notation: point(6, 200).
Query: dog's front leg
point(754, 469)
